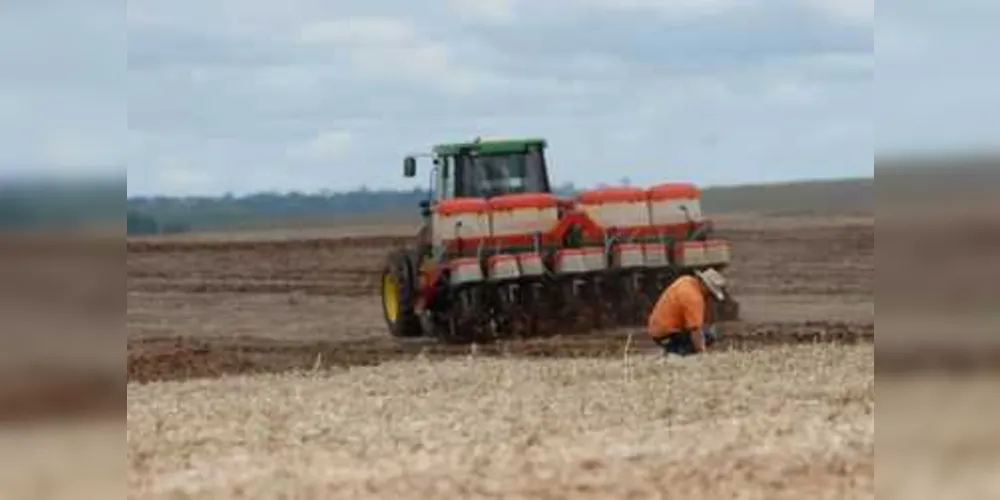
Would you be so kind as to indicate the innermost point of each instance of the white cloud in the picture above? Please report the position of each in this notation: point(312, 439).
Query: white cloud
point(856, 11)
point(290, 79)
point(62, 67)
point(671, 9)
point(792, 92)
point(429, 63)
point(360, 31)
point(325, 146)
point(388, 49)
point(493, 11)
point(139, 15)
point(842, 61)
point(293, 91)
point(895, 43)
point(175, 176)
point(72, 151)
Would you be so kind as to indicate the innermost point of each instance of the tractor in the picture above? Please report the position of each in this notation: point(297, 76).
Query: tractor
point(500, 255)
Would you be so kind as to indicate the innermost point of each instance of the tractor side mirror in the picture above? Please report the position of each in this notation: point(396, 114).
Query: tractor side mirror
point(409, 167)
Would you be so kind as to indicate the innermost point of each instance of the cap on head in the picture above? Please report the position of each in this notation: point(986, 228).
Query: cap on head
point(714, 281)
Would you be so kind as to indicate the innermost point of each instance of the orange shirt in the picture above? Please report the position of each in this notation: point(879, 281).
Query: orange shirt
point(681, 306)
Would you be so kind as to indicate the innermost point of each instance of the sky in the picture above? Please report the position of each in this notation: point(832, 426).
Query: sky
point(216, 96)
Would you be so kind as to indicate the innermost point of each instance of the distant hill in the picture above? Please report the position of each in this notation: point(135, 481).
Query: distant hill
point(926, 181)
point(935, 180)
point(850, 196)
point(833, 197)
point(29, 204)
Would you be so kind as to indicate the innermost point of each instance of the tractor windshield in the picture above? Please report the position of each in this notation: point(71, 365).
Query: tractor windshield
point(494, 175)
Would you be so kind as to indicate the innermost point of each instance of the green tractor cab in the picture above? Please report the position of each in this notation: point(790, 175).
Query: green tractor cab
point(485, 168)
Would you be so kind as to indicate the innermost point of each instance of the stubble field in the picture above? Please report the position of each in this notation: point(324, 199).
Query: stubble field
point(262, 367)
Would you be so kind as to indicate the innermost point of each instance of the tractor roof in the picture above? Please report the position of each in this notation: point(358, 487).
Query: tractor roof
point(490, 146)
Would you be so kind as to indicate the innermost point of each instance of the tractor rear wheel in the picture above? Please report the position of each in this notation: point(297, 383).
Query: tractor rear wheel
point(399, 290)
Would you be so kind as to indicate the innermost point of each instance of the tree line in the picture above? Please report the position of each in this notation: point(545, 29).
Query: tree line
point(149, 215)
point(67, 205)
point(40, 204)
point(160, 214)
point(51, 204)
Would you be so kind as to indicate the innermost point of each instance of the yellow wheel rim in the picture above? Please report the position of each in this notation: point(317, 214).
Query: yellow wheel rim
point(390, 297)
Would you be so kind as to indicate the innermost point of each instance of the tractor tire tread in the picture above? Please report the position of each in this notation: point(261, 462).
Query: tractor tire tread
point(402, 263)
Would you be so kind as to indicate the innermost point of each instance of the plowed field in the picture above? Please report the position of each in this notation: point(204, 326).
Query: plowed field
point(263, 369)
point(210, 307)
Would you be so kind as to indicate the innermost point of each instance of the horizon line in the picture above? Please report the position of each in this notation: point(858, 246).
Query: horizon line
point(361, 188)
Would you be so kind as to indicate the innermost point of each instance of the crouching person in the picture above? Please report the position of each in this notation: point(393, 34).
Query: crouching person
point(680, 322)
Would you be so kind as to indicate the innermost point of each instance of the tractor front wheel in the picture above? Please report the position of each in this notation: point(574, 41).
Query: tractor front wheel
point(399, 289)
